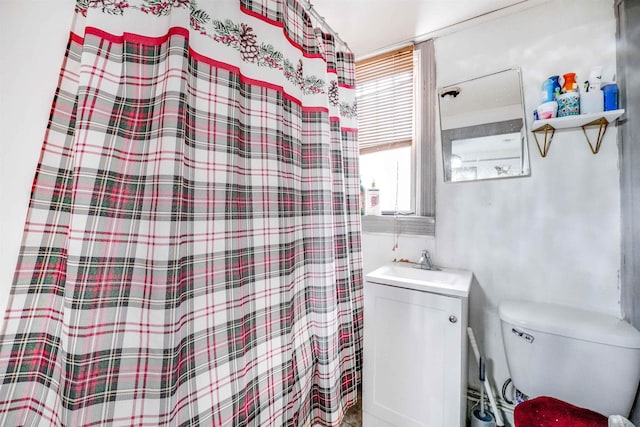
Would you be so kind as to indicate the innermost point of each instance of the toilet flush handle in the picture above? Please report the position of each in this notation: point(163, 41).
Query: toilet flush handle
point(525, 336)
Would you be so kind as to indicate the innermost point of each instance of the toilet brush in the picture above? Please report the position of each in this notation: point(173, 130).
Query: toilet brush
point(480, 417)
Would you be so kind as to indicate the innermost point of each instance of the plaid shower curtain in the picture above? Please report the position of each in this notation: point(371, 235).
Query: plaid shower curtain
point(192, 253)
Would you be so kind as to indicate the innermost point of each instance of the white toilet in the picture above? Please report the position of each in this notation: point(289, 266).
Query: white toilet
point(585, 358)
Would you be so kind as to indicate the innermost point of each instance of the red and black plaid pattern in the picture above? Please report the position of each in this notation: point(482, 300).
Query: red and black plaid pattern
point(192, 250)
point(328, 48)
point(292, 16)
point(346, 69)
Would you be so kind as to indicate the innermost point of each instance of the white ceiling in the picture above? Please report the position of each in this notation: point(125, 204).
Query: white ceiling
point(369, 26)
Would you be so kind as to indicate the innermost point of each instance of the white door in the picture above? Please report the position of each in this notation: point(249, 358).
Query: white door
point(412, 358)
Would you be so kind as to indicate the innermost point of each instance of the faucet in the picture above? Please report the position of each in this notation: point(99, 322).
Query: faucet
point(425, 262)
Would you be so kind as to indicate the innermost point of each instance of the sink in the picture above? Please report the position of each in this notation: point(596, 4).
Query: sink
point(402, 272)
point(445, 281)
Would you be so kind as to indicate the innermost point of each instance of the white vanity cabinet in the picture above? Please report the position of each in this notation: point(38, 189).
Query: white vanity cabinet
point(415, 342)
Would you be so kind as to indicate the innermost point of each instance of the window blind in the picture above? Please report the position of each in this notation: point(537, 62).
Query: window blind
point(385, 92)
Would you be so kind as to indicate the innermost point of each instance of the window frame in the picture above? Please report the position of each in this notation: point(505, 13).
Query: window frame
point(423, 174)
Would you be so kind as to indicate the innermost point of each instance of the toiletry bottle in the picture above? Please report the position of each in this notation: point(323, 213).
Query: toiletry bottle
point(570, 84)
point(595, 78)
point(610, 96)
point(362, 198)
point(550, 89)
point(373, 200)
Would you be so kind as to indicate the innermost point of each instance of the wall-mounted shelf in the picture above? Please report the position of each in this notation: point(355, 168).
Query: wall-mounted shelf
point(548, 127)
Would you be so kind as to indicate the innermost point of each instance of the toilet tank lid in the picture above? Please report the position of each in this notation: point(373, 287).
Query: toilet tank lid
point(570, 322)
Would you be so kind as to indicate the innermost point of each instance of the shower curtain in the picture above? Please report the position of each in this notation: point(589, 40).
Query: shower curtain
point(191, 254)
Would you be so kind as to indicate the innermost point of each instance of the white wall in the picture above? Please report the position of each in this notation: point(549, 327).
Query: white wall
point(553, 236)
point(33, 38)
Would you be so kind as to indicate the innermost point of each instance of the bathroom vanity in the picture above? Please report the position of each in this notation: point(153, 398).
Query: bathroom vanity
point(415, 347)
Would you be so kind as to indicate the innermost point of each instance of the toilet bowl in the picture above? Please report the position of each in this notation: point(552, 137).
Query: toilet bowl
point(588, 359)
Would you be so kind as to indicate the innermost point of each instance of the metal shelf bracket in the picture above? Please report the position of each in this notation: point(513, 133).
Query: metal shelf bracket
point(544, 149)
point(602, 124)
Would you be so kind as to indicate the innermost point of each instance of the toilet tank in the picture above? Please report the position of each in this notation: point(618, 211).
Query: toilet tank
point(588, 359)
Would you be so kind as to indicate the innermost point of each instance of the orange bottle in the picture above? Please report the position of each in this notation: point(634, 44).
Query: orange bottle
point(570, 84)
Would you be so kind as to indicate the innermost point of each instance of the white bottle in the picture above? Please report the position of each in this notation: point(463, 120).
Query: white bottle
point(373, 200)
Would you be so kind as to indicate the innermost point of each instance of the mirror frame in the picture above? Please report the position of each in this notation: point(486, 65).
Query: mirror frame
point(487, 129)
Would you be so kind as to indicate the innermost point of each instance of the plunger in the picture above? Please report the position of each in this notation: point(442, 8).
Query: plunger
point(479, 420)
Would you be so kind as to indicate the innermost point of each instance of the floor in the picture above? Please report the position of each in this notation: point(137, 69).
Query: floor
point(354, 415)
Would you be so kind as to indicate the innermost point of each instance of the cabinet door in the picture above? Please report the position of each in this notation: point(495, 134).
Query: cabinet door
point(412, 358)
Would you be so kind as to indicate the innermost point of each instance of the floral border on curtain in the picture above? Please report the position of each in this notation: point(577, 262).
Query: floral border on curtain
point(192, 251)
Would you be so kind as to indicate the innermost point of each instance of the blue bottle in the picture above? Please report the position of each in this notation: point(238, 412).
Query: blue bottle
point(610, 96)
point(550, 89)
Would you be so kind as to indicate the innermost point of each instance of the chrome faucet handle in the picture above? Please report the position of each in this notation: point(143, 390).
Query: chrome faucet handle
point(425, 261)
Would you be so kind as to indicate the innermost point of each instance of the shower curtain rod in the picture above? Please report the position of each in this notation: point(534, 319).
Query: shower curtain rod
point(324, 23)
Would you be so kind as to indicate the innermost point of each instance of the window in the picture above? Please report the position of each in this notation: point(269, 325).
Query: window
point(396, 109)
point(385, 90)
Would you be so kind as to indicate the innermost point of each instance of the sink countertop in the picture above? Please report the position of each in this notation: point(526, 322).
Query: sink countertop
point(449, 282)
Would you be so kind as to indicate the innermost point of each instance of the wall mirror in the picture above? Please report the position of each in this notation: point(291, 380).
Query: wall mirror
point(483, 130)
